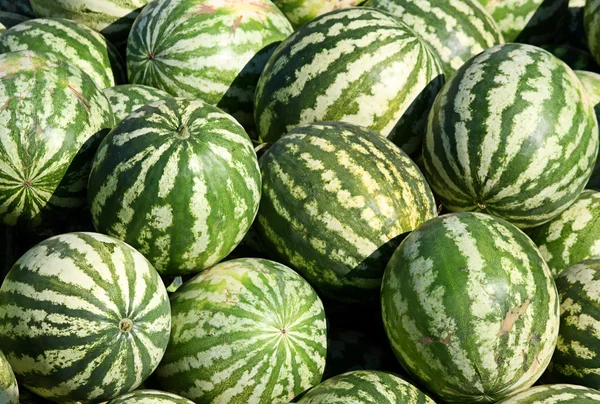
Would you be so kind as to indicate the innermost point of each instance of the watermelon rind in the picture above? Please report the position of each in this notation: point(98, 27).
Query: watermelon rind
point(244, 331)
point(470, 308)
point(179, 181)
point(97, 314)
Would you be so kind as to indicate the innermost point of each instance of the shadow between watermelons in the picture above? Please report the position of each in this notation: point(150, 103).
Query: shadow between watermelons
point(50, 215)
point(537, 33)
point(247, 80)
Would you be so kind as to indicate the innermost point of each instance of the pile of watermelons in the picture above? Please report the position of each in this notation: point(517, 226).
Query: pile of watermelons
point(311, 201)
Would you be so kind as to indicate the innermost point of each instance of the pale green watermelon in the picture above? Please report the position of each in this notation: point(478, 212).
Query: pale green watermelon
point(150, 397)
point(80, 45)
point(97, 318)
point(555, 394)
point(456, 30)
point(357, 65)
point(365, 386)
point(244, 331)
point(573, 236)
point(127, 98)
point(52, 118)
point(9, 391)
point(523, 150)
point(213, 50)
point(179, 181)
point(112, 18)
point(470, 308)
point(577, 354)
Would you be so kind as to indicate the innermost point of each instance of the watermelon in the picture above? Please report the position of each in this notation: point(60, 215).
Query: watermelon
point(457, 31)
point(53, 117)
point(357, 65)
point(21, 7)
point(80, 45)
point(591, 84)
point(299, 12)
point(592, 27)
point(112, 18)
point(244, 331)
point(512, 134)
point(83, 317)
point(179, 181)
point(369, 385)
point(576, 357)
point(150, 397)
point(536, 22)
point(575, 58)
point(575, 25)
point(555, 394)
point(470, 308)
point(8, 20)
point(336, 198)
point(9, 391)
point(573, 236)
point(127, 98)
point(214, 50)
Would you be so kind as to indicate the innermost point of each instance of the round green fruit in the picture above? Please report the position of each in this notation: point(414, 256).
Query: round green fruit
point(512, 134)
point(336, 200)
point(52, 119)
point(357, 65)
point(555, 394)
point(83, 317)
point(211, 50)
point(150, 397)
point(179, 181)
point(244, 331)
point(470, 308)
point(368, 386)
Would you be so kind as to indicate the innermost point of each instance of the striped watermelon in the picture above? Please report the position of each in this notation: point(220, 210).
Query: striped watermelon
point(576, 358)
point(112, 18)
point(369, 386)
point(573, 236)
point(470, 308)
point(9, 391)
point(53, 116)
point(22, 7)
point(456, 30)
point(511, 134)
point(575, 58)
point(80, 45)
point(127, 98)
point(555, 394)
point(299, 12)
point(214, 50)
point(335, 199)
point(179, 181)
point(591, 84)
point(8, 20)
point(592, 27)
point(150, 397)
point(536, 22)
point(356, 65)
point(244, 331)
point(96, 314)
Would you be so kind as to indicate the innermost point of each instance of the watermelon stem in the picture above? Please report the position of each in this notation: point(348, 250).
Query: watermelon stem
point(126, 325)
point(183, 132)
